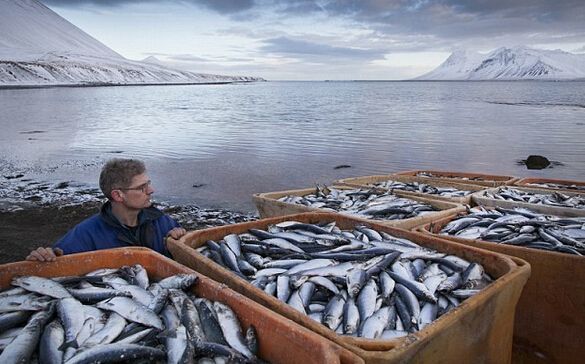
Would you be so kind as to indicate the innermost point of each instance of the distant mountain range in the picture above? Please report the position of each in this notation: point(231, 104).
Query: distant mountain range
point(39, 47)
point(518, 63)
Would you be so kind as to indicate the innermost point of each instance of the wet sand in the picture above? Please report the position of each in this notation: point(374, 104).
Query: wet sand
point(24, 230)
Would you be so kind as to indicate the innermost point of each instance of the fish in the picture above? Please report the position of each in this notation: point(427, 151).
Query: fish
point(410, 301)
point(296, 302)
point(71, 314)
point(558, 186)
point(179, 281)
point(343, 283)
point(132, 311)
point(22, 347)
point(190, 319)
point(117, 352)
point(428, 314)
point(355, 281)
point(523, 227)
point(369, 203)
point(96, 294)
point(13, 319)
point(138, 293)
point(332, 315)
point(351, 317)
point(113, 327)
point(42, 286)
point(417, 288)
point(374, 325)
point(231, 329)
point(51, 340)
point(210, 323)
point(251, 338)
point(179, 346)
point(119, 328)
point(558, 199)
point(366, 300)
point(421, 187)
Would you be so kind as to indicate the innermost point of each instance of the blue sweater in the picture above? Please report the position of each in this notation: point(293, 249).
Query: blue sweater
point(104, 231)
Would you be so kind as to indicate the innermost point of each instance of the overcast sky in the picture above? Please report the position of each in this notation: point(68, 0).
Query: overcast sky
point(317, 40)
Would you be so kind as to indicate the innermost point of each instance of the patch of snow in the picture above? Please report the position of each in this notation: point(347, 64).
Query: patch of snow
point(517, 63)
point(38, 47)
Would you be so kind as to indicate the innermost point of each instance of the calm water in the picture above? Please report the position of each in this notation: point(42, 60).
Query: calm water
point(240, 139)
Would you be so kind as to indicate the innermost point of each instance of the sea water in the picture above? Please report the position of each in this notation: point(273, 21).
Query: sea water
point(216, 145)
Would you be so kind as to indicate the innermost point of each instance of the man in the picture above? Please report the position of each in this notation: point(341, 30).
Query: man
point(126, 219)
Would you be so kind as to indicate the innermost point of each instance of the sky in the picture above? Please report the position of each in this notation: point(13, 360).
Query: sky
point(321, 39)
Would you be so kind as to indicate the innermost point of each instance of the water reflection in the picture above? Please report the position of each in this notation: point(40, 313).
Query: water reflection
point(240, 139)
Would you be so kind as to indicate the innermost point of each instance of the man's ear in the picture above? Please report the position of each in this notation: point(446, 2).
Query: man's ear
point(117, 196)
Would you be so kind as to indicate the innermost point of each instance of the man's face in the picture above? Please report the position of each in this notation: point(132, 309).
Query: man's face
point(137, 195)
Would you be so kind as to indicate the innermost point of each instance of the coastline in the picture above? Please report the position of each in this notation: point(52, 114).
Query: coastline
point(106, 84)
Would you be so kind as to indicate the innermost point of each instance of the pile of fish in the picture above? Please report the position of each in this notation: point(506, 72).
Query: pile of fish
point(431, 175)
point(559, 186)
point(117, 315)
point(521, 227)
point(366, 203)
point(358, 282)
point(551, 199)
point(422, 188)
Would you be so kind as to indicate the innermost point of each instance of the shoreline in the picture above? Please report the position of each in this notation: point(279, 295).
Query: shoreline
point(67, 85)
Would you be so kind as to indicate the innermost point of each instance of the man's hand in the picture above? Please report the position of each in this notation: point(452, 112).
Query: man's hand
point(44, 254)
point(176, 233)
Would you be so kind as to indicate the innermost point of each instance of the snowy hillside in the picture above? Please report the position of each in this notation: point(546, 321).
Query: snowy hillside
point(38, 47)
point(519, 63)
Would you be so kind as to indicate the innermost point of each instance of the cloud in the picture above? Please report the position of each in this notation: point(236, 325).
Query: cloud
point(366, 29)
point(460, 22)
point(310, 51)
point(220, 6)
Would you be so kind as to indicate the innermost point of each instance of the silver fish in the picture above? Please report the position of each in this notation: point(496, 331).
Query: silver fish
point(179, 349)
point(355, 281)
point(113, 327)
point(132, 311)
point(179, 281)
point(72, 316)
point(231, 329)
point(366, 300)
point(332, 315)
point(296, 302)
point(140, 294)
point(375, 324)
point(24, 302)
point(22, 347)
point(283, 290)
point(117, 352)
point(42, 286)
point(351, 317)
point(51, 340)
point(428, 314)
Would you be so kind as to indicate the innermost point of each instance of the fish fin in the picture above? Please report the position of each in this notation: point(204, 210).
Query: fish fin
point(69, 344)
point(167, 333)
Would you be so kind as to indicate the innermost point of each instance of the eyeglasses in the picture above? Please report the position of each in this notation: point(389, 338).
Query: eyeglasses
point(143, 187)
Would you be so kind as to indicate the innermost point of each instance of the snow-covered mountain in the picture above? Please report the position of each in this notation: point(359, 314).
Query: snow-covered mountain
point(39, 47)
point(518, 63)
